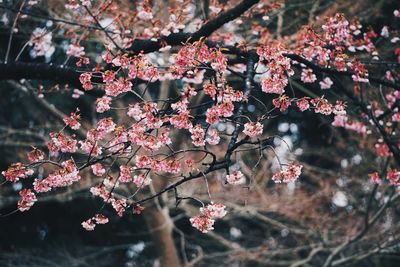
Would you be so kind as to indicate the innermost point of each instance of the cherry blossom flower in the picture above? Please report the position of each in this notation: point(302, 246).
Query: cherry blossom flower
point(41, 40)
point(375, 178)
point(103, 104)
point(326, 83)
point(279, 68)
point(322, 106)
point(282, 102)
point(125, 174)
point(214, 211)
point(144, 15)
point(360, 72)
point(394, 177)
point(289, 174)
point(382, 150)
point(35, 155)
point(143, 161)
point(60, 141)
point(357, 127)
point(141, 180)
point(72, 4)
point(172, 166)
point(27, 201)
point(85, 79)
point(106, 125)
point(98, 169)
point(212, 115)
point(340, 121)
point(213, 137)
point(396, 117)
point(119, 205)
point(77, 93)
point(75, 50)
point(202, 223)
point(181, 121)
point(137, 209)
point(100, 219)
point(303, 104)
point(197, 135)
point(253, 129)
point(17, 171)
point(236, 178)
point(63, 177)
point(307, 76)
point(90, 147)
point(89, 225)
point(210, 89)
point(385, 31)
point(73, 120)
point(136, 112)
point(205, 220)
point(118, 87)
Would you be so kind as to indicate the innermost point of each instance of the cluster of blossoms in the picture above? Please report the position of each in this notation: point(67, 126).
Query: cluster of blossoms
point(393, 176)
point(307, 76)
point(303, 104)
point(73, 120)
point(35, 155)
point(168, 165)
point(192, 55)
point(279, 68)
point(27, 201)
point(375, 178)
point(62, 142)
point(103, 191)
point(282, 102)
point(149, 130)
point(289, 174)
point(236, 178)
point(98, 169)
point(91, 223)
point(75, 50)
point(253, 129)
point(41, 40)
point(204, 221)
point(17, 171)
point(61, 178)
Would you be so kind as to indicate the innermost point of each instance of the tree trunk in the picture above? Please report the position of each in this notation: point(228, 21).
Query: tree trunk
point(160, 226)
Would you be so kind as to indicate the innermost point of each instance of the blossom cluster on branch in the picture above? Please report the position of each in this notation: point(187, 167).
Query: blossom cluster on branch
point(140, 148)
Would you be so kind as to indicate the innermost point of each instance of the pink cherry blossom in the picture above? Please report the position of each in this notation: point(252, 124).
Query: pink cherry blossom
point(253, 129)
point(75, 50)
point(103, 104)
point(125, 174)
point(303, 104)
point(89, 225)
point(17, 171)
point(326, 83)
point(27, 201)
point(307, 76)
point(213, 137)
point(98, 169)
point(236, 178)
point(202, 223)
point(394, 177)
point(289, 174)
point(141, 180)
point(375, 178)
point(73, 120)
point(214, 211)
